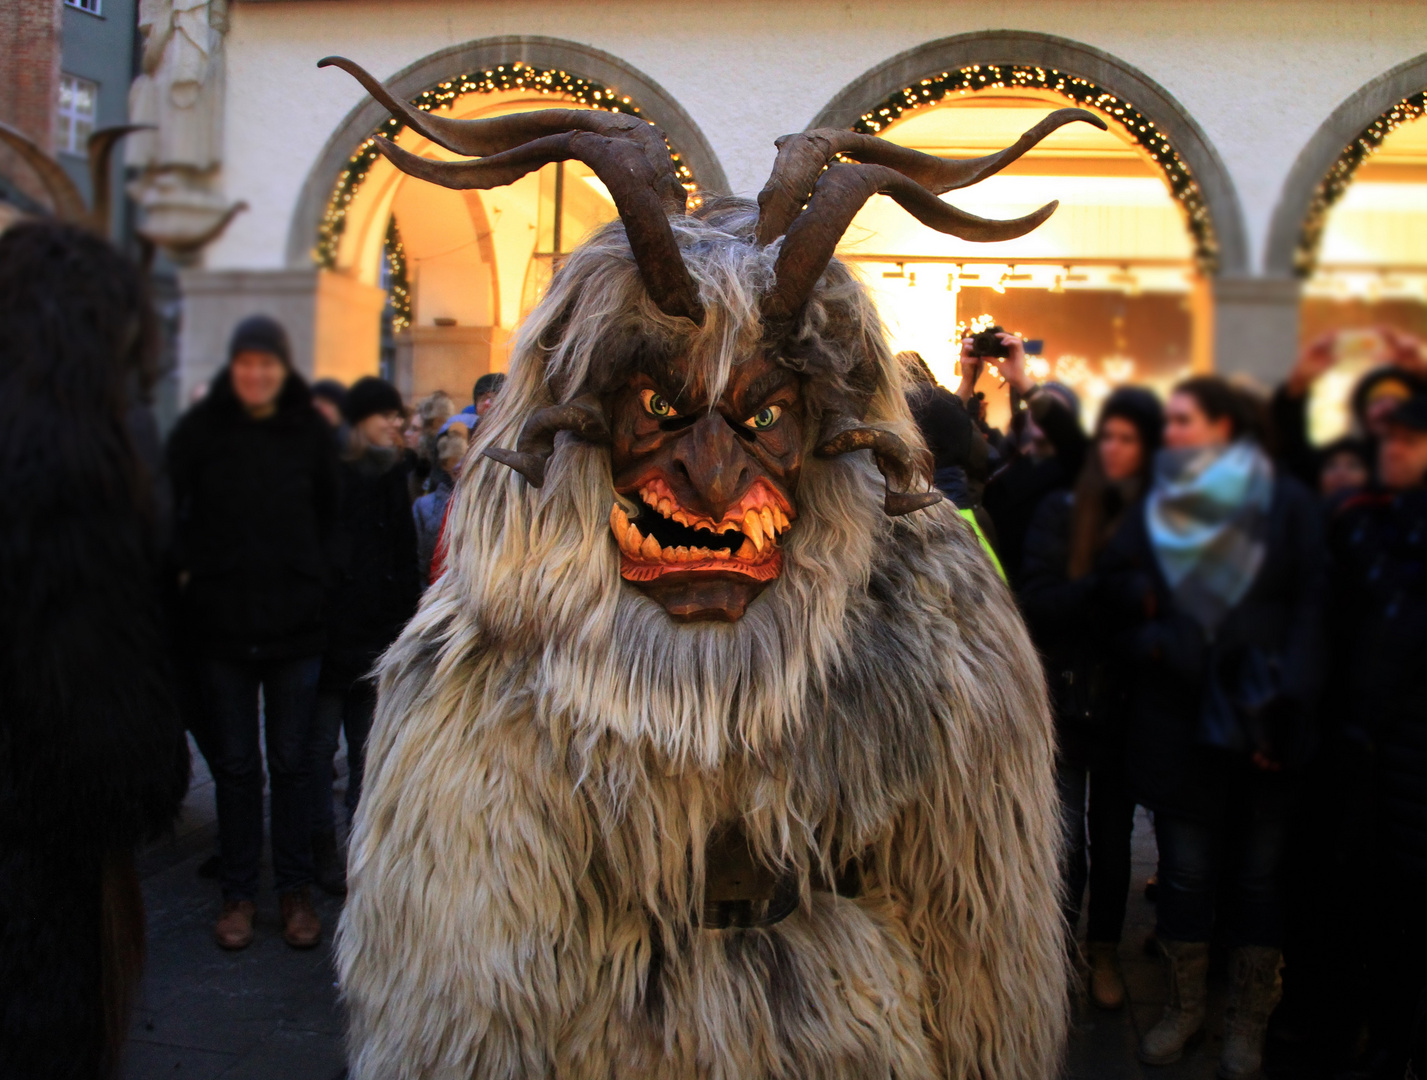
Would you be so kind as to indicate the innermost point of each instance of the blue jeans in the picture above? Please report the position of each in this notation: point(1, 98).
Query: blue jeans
point(1244, 854)
point(289, 694)
point(351, 710)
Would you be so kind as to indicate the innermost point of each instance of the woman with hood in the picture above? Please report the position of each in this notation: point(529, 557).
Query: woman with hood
point(1058, 598)
point(375, 588)
point(1217, 588)
point(254, 474)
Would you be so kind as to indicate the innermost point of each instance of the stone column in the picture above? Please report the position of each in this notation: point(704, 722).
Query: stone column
point(1256, 326)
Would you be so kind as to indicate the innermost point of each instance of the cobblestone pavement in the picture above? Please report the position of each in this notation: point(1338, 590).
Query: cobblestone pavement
point(271, 1013)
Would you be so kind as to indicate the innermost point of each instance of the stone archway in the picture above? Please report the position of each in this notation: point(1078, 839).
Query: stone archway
point(1044, 50)
point(537, 52)
point(1254, 319)
point(1292, 239)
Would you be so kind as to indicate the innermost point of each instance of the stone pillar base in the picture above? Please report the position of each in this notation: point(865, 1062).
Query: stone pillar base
point(1256, 327)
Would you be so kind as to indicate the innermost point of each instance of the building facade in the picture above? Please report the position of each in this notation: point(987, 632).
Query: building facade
point(1197, 229)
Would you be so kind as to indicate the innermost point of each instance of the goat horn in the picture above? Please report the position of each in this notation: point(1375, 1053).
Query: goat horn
point(477, 138)
point(802, 158)
point(101, 149)
point(582, 417)
point(840, 193)
point(64, 194)
point(843, 434)
point(629, 156)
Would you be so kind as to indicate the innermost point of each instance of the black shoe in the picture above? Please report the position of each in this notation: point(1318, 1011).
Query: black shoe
point(329, 868)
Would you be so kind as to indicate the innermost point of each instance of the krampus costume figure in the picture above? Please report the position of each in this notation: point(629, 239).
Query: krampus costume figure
point(92, 755)
point(700, 760)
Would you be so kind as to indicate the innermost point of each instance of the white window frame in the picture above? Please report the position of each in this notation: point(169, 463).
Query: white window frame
point(90, 7)
point(68, 119)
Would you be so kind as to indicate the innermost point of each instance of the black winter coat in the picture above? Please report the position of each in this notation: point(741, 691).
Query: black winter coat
point(1378, 690)
point(1015, 492)
point(1171, 659)
point(1066, 622)
point(376, 585)
point(255, 504)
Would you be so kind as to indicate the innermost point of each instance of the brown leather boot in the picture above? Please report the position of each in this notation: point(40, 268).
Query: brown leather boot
point(234, 929)
point(1107, 985)
point(301, 928)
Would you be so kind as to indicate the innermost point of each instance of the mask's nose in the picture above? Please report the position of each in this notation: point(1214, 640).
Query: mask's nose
point(715, 463)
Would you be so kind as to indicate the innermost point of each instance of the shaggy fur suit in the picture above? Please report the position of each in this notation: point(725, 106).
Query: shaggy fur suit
point(551, 752)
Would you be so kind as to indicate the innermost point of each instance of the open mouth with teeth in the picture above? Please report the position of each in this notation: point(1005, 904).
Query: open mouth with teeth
point(667, 538)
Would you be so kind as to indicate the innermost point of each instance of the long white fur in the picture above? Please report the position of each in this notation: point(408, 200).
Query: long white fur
point(551, 752)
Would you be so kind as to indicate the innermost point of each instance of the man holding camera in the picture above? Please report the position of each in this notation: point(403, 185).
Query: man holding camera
point(1045, 447)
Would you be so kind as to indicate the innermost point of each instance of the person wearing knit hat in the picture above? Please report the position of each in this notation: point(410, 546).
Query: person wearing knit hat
point(1066, 536)
point(329, 396)
point(375, 587)
point(370, 396)
point(254, 474)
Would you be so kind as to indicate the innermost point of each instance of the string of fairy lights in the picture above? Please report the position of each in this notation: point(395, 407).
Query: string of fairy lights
point(398, 284)
point(502, 77)
point(978, 77)
point(1336, 180)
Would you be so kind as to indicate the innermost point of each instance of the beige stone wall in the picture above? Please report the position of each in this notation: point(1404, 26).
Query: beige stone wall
point(449, 358)
point(347, 331)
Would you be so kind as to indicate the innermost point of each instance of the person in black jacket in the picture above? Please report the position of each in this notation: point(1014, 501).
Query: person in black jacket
point(1217, 588)
point(1058, 598)
point(1370, 802)
point(960, 454)
point(92, 754)
point(375, 590)
point(254, 475)
point(1051, 458)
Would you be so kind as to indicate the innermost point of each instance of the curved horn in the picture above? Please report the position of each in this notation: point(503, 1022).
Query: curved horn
point(628, 155)
point(842, 434)
point(68, 202)
point(582, 416)
point(842, 190)
point(101, 150)
point(184, 245)
point(802, 158)
point(478, 138)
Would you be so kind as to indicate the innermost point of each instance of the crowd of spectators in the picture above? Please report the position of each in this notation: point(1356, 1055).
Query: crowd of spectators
point(1233, 624)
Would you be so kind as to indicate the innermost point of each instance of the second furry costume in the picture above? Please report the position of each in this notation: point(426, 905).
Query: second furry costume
point(706, 757)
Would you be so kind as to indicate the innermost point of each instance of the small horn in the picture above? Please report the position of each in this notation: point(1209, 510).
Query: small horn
point(802, 158)
point(68, 202)
point(184, 246)
point(582, 417)
point(101, 150)
point(843, 434)
point(812, 238)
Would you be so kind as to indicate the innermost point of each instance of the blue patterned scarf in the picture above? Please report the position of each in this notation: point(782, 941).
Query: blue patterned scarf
point(1207, 515)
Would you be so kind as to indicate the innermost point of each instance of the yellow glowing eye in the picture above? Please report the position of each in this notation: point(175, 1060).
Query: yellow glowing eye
point(656, 405)
point(765, 417)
